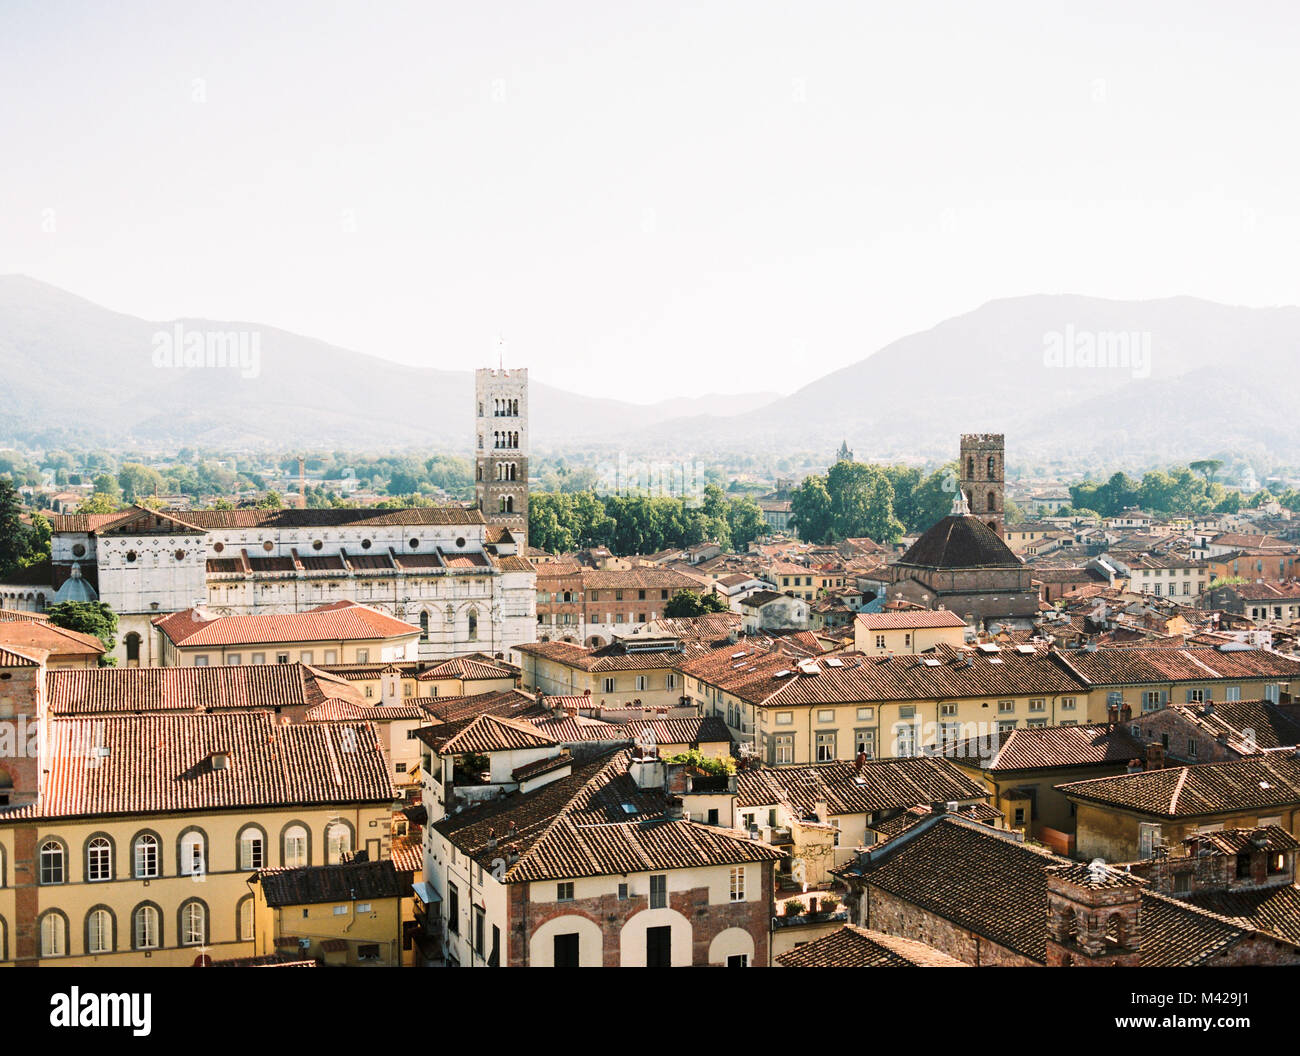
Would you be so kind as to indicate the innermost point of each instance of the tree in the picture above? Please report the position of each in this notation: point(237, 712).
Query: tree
point(810, 510)
point(38, 540)
point(106, 484)
point(138, 481)
point(88, 617)
point(746, 522)
point(862, 502)
point(1207, 467)
point(693, 603)
point(15, 541)
point(99, 503)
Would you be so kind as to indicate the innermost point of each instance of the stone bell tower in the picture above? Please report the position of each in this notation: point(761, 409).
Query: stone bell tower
point(983, 478)
point(501, 454)
point(1093, 916)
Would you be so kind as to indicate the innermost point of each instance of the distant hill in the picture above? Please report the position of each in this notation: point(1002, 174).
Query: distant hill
point(1217, 378)
point(74, 369)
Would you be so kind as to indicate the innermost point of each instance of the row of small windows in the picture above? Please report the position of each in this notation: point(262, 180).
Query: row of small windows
point(146, 853)
point(192, 928)
point(505, 440)
point(503, 408)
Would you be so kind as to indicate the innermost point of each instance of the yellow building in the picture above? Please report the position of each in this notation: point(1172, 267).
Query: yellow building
point(457, 677)
point(60, 646)
point(906, 631)
point(346, 915)
point(641, 672)
point(340, 633)
point(127, 838)
point(839, 706)
point(1133, 816)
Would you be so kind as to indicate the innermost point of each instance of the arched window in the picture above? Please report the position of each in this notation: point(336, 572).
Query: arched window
point(424, 626)
point(970, 467)
point(338, 842)
point(993, 468)
point(510, 504)
point(993, 501)
point(194, 923)
point(54, 934)
point(252, 848)
point(146, 928)
point(147, 857)
point(295, 847)
point(194, 853)
point(54, 862)
point(473, 625)
point(99, 859)
point(99, 931)
point(245, 922)
point(132, 642)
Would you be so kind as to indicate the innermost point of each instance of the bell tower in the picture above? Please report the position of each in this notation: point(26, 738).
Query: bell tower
point(501, 454)
point(983, 479)
point(1093, 914)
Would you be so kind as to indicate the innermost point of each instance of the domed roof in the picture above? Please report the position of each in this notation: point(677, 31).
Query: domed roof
point(960, 540)
point(75, 588)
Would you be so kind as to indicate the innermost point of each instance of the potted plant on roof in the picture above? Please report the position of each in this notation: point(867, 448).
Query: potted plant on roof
point(795, 907)
point(827, 903)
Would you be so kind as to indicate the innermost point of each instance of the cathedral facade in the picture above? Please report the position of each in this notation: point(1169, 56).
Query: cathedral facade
point(458, 573)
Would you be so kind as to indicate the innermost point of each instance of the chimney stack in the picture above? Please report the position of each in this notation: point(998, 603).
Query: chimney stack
point(1126, 713)
point(859, 762)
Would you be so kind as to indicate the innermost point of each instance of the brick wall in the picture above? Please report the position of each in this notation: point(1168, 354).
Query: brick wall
point(895, 916)
point(611, 913)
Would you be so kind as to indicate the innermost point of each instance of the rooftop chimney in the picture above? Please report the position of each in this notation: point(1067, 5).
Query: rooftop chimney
point(859, 762)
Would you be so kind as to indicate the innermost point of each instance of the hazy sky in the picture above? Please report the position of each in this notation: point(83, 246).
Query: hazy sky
point(645, 200)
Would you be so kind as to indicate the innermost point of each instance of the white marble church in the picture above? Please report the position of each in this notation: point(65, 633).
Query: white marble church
point(465, 582)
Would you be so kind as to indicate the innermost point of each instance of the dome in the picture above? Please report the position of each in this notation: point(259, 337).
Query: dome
point(75, 588)
point(960, 540)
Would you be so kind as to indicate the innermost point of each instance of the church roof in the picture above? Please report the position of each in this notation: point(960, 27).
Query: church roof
point(960, 541)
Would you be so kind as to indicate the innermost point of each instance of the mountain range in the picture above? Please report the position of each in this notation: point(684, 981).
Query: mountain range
point(1065, 377)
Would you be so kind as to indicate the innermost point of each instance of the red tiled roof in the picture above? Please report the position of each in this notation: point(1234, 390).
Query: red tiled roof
point(153, 764)
point(345, 621)
point(854, 947)
point(884, 621)
point(1257, 782)
point(593, 822)
point(110, 690)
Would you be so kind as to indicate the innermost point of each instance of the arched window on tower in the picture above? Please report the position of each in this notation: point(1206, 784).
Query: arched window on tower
point(510, 504)
point(473, 625)
point(424, 626)
point(993, 502)
point(993, 468)
point(970, 467)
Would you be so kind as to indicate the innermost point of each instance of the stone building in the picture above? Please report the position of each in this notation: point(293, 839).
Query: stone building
point(961, 563)
point(436, 567)
point(983, 477)
point(501, 454)
point(589, 865)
